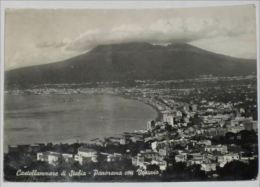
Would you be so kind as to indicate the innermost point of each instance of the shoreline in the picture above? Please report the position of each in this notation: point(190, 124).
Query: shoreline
point(158, 117)
point(159, 114)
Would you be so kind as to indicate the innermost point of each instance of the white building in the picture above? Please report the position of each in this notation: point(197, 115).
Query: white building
point(223, 159)
point(154, 146)
point(169, 118)
point(114, 157)
point(197, 161)
point(204, 142)
point(208, 167)
point(162, 164)
point(150, 125)
point(182, 157)
point(86, 154)
point(49, 157)
point(235, 129)
point(218, 148)
point(67, 157)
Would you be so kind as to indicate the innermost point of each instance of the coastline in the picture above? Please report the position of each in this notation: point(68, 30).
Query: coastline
point(159, 114)
point(75, 140)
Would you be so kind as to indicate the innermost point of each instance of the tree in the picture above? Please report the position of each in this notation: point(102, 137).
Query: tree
point(237, 170)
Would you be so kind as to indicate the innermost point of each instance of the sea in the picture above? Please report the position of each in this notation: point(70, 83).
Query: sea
point(30, 119)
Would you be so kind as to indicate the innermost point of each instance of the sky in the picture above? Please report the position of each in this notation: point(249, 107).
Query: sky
point(40, 36)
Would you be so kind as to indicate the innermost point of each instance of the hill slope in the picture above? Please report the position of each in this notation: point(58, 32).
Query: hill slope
point(133, 61)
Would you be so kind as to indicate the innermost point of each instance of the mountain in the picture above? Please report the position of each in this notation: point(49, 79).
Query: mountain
point(133, 61)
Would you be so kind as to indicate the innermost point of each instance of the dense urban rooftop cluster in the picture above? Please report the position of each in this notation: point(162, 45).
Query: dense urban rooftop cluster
point(204, 131)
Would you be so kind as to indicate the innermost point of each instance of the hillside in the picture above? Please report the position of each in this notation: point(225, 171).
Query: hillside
point(133, 61)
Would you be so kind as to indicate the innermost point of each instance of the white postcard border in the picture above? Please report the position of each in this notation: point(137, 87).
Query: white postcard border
point(39, 4)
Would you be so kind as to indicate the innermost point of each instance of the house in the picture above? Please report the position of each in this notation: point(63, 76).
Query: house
point(178, 114)
point(145, 160)
point(223, 159)
point(182, 157)
point(216, 148)
point(49, 157)
point(236, 129)
point(144, 165)
point(86, 154)
point(149, 154)
point(116, 140)
point(164, 152)
point(67, 157)
point(114, 157)
point(204, 142)
point(169, 118)
point(246, 159)
point(194, 107)
point(154, 145)
point(146, 156)
point(134, 161)
point(162, 164)
point(150, 125)
point(207, 167)
point(211, 157)
point(215, 131)
point(193, 161)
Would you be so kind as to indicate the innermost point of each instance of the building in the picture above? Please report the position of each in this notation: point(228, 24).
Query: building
point(164, 152)
point(204, 142)
point(214, 131)
point(196, 158)
point(193, 161)
point(169, 117)
point(235, 129)
point(114, 157)
point(207, 167)
point(178, 114)
point(223, 159)
point(154, 145)
point(116, 140)
point(161, 164)
point(194, 107)
point(150, 125)
point(182, 157)
point(148, 157)
point(86, 155)
point(134, 137)
point(246, 159)
point(216, 148)
point(49, 157)
point(67, 157)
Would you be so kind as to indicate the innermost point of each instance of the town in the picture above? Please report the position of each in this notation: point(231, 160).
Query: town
point(206, 129)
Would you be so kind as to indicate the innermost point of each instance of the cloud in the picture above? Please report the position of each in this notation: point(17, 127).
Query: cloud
point(39, 37)
point(244, 45)
point(42, 53)
point(161, 31)
point(52, 44)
